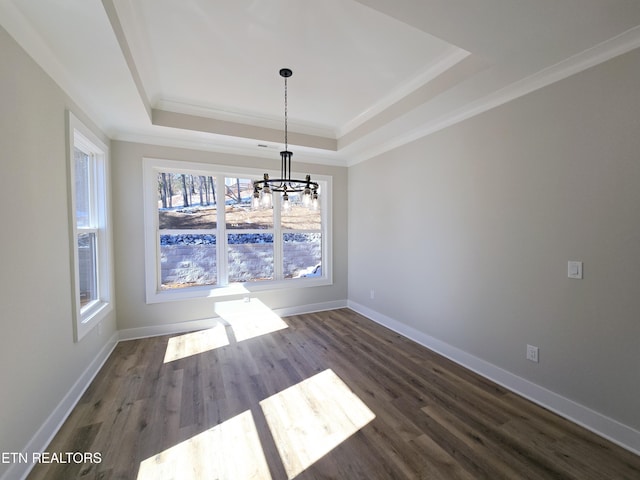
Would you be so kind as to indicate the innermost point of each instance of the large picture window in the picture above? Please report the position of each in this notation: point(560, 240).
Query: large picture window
point(92, 279)
point(203, 238)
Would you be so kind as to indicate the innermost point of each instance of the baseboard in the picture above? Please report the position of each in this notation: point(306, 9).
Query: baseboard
point(311, 308)
point(614, 431)
point(52, 424)
point(168, 329)
point(190, 326)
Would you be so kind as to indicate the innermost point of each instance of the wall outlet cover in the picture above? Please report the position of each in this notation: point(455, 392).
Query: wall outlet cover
point(532, 353)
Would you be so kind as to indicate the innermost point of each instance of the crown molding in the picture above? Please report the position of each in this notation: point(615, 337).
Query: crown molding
point(226, 115)
point(221, 144)
point(584, 60)
point(451, 57)
point(25, 35)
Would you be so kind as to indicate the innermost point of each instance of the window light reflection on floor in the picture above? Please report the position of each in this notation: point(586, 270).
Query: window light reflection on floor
point(188, 344)
point(230, 450)
point(249, 319)
point(246, 319)
point(307, 421)
point(313, 417)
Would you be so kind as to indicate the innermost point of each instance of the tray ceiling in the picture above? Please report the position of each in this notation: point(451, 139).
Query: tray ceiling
point(368, 75)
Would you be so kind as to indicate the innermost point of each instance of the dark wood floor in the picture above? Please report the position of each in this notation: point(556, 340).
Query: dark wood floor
point(325, 395)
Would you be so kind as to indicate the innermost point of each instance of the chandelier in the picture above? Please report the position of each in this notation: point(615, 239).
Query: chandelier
point(263, 189)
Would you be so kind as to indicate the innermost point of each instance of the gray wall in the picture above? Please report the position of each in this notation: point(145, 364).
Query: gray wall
point(39, 361)
point(469, 237)
point(132, 311)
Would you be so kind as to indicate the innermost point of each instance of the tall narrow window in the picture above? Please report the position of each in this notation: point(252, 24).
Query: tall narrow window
point(249, 235)
point(91, 238)
point(301, 239)
point(187, 219)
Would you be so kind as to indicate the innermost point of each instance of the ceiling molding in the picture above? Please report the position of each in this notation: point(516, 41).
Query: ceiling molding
point(116, 25)
point(203, 124)
point(591, 57)
point(19, 27)
point(271, 122)
point(452, 57)
point(219, 144)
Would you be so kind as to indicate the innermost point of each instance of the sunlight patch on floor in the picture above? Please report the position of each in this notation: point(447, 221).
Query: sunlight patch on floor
point(311, 418)
point(230, 450)
point(194, 343)
point(246, 319)
point(249, 319)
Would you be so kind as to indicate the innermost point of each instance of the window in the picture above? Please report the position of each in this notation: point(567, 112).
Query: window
point(203, 239)
point(92, 283)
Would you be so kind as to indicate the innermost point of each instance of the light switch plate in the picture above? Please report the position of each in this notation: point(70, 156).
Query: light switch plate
point(574, 269)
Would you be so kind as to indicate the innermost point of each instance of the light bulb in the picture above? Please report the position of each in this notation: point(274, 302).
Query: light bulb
point(306, 198)
point(286, 204)
point(267, 198)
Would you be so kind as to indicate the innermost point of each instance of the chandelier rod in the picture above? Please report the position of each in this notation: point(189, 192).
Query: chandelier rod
point(286, 116)
point(262, 189)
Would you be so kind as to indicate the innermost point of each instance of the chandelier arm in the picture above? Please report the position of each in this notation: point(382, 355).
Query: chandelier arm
point(288, 184)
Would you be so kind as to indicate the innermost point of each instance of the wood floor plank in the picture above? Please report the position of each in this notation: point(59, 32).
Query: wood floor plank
point(438, 464)
point(331, 396)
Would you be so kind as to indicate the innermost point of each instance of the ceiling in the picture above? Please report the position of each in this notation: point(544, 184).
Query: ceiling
point(368, 75)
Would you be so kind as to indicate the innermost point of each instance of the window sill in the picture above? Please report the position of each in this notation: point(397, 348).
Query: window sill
point(91, 318)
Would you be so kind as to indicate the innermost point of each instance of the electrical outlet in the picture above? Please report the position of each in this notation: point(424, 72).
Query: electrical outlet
point(532, 353)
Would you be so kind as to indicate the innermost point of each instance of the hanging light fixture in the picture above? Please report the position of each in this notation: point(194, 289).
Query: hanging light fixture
point(263, 189)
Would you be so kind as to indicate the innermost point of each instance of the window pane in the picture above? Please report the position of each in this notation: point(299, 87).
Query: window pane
point(302, 255)
point(88, 278)
point(187, 260)
point(83, 198)
point(186, 202)
point(250, 257)
point(299, 217)
point(238, 212)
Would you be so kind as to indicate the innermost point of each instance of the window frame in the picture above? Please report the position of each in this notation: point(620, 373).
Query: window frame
point(153, 166)
point(86, 317)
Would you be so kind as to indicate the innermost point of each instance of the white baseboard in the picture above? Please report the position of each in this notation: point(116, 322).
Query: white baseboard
point(168, 329)
point(618, 433)
point(311, 308)
point(182, 327)
point(52, 424)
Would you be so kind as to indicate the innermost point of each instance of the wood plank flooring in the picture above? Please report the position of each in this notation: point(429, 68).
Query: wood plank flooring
point(326, 395)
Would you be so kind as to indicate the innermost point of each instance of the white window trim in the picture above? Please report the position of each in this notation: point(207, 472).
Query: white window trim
point(87, 317)
point(153, 166)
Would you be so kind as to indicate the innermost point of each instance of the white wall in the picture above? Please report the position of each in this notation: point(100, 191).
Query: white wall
point(469, 237)
point(132, 311)
point(39, 361)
